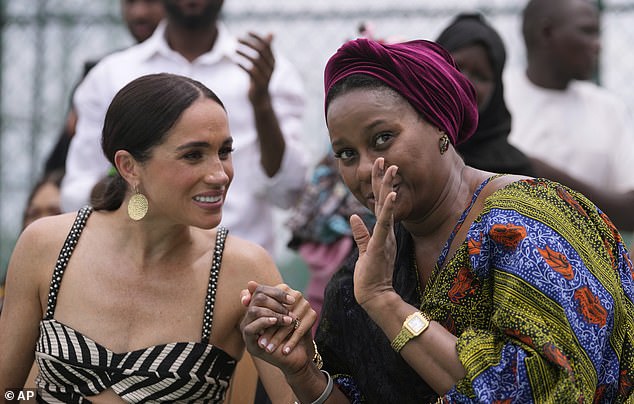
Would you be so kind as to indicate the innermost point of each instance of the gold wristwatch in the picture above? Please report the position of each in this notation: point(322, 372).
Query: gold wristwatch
point(413, 326)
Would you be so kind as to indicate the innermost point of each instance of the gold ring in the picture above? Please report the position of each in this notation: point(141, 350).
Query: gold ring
point(296, 323)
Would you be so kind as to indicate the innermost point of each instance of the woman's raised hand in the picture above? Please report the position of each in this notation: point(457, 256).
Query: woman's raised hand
point(377, 252)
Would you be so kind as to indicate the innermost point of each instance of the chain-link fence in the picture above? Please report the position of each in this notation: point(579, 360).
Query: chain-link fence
point(44, 44)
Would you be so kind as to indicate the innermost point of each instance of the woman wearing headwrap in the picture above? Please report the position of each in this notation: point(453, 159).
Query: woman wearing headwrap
point(479, 52)
point(473, 286)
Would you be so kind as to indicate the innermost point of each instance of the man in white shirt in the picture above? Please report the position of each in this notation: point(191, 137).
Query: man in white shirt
point(141, 17)
point(562, 119)
point(263, 95)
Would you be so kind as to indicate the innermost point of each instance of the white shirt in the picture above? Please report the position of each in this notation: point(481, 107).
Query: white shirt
point(584, 130)
point(248, 211)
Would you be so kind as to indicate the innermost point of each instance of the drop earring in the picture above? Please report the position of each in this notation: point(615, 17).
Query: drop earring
point(137, 205)
point(443, 143)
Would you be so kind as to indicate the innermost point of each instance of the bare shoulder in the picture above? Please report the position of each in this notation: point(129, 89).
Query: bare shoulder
point(34, 256)
point(243, 249)
point(46, 236)
point(249, 261)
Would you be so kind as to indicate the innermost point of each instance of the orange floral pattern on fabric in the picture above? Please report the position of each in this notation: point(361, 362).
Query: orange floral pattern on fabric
point(474, 246)
point(555, 355)
point(521, 337)
point(465, 285)
point(565, 195)
point(558, 262)
point(611, 226)
point(590, 307)
point(508, 235)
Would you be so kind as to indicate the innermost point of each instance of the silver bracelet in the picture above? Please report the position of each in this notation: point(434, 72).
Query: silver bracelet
point(327, 391)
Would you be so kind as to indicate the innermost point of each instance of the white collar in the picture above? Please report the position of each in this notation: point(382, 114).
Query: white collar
point(224, 46)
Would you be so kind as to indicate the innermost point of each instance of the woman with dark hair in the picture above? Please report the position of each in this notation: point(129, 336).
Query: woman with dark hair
point(473, 286)
point(480, 55)
point(44, 199)
point(134, 299)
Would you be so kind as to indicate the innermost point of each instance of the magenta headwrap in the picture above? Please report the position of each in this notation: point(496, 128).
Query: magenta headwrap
point(421, 71)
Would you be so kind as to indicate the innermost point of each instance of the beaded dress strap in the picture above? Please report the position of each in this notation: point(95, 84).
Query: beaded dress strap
point(64, 257)
point(221, 236)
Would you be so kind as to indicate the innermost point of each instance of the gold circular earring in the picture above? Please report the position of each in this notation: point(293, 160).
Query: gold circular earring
point(443, 143)
point(137, 205)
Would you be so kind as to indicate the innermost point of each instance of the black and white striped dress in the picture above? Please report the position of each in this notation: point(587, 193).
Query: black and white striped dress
point(73, 367)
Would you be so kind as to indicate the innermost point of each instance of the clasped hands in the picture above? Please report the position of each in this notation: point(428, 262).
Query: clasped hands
point(277, 320)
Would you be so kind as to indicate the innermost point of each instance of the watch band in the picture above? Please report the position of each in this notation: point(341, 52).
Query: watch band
point(414, 325)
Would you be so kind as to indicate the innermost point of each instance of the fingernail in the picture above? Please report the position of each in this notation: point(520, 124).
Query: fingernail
point(287, 319)
point(287, 350)
point(270, 347)
point(290, 299)
point(262, 342)
point(243, 299)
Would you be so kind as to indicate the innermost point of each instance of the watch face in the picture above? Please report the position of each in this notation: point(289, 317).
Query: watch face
point(416, 324)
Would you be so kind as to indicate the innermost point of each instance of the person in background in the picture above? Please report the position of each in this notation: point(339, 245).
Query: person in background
point(44, 198)
point(261, 90)
point(141, 17)
point(562, 118)
point(480, 55)
point(473, 286)
point(135, 299)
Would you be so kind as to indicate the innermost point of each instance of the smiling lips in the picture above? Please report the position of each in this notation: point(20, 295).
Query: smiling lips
point(208, 198)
